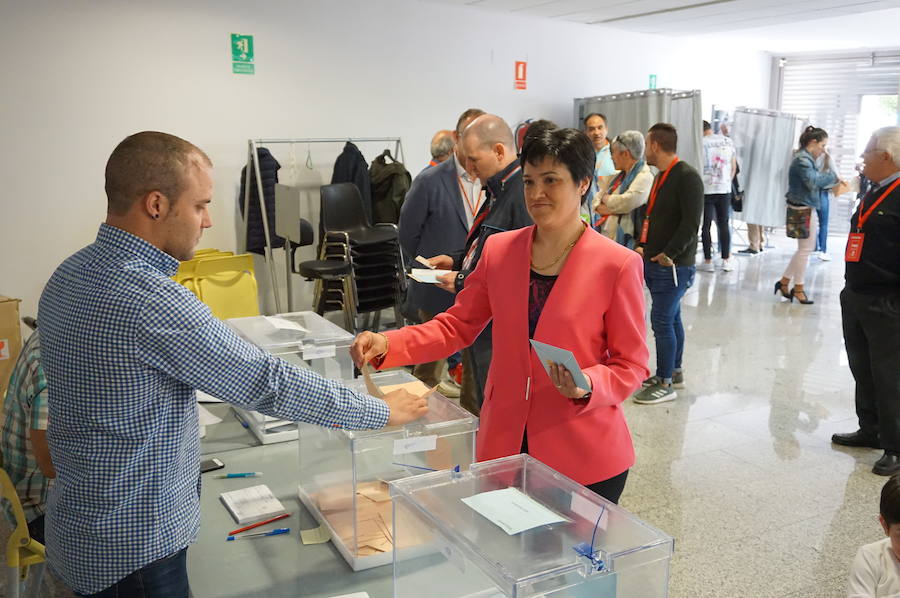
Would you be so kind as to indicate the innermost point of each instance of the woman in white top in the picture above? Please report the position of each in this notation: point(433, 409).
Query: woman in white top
point(625, 191)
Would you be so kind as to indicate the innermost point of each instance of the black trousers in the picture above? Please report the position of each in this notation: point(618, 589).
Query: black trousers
point(872, 337)
point(717, 206)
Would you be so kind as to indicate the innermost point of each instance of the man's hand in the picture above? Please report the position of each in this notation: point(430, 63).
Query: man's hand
point(366, 347)
point(405, 407)
point(662, 259)
point(602, 209)
point(565, 384)
point(441, 262)
point(639, 251)
point(448, 282)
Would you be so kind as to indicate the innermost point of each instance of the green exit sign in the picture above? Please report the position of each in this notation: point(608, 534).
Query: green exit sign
point(242, 54)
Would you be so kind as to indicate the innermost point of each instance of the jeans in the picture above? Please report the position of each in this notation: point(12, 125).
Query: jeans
point(665, 313)
point(822, 212)
point(717, 207)
point(165, 578)
point(796, 269)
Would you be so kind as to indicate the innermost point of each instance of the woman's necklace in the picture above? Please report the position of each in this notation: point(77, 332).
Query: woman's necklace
point(561, 255)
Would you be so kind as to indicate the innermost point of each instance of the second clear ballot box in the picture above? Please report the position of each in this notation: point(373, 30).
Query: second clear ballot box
point(303, 338)
point(513, 527)
point(344, 474)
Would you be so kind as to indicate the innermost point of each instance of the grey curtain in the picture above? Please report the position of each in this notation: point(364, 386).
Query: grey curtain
point(639, 110)
point(764, 143)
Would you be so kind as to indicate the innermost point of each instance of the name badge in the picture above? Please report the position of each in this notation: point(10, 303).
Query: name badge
point(645, 230)
point(854, 247)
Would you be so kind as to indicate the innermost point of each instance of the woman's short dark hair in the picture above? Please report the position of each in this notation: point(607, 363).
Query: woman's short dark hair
point(569, 147)
point(890, 500)
point(812, 133)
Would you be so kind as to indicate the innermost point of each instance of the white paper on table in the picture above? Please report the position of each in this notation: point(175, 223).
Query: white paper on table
point(284, 324)
point(207, 418)
point(427, 276)
point(511, 510)
point(202, 397)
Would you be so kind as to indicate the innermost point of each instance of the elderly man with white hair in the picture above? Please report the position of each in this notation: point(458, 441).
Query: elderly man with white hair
point(870, 304)
point(621, 194)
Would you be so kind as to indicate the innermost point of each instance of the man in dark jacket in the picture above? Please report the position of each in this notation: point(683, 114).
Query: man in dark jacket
point(489, 147)
point(434, 221)
point(668, 241)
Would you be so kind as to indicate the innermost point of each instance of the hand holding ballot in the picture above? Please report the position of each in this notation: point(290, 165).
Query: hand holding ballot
point(368, 346)
point(565, 383)
point(441, 262)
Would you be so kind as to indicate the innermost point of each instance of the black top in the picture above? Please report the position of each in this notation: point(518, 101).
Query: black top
point(539, 289)
point(676, 216)
point(878, 268)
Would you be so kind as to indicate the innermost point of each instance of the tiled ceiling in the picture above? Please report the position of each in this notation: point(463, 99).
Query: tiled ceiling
point(679, 17)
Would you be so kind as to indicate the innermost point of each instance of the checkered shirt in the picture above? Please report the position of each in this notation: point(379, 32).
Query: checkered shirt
point(124, 348)
point(24, 409)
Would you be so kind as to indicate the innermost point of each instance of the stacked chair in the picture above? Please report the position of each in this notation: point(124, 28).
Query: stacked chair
point(376, 277)
point(222, 280)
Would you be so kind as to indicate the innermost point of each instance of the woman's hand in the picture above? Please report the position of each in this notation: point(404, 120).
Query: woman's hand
point(367, 346)
point(565, 384)
point(447, 282)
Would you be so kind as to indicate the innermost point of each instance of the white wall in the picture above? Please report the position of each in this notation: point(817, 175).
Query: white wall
point(79, 76)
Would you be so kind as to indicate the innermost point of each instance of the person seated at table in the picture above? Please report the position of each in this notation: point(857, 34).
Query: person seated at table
point(560, 283)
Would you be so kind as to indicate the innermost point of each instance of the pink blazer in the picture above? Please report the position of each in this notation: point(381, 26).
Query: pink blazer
point(595, 310)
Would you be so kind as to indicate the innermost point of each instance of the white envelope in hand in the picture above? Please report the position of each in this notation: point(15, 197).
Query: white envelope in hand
point(547, 353)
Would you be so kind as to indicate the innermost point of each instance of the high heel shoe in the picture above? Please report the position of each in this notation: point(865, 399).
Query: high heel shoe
point(780, 287)
point(805, 301)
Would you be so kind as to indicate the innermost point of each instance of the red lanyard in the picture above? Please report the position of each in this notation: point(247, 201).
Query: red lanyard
point(657, 185)
point(472, 209)
point(864, 216)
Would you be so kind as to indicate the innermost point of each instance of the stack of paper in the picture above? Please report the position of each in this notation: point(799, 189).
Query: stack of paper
point(249, 505)
point(427, 276)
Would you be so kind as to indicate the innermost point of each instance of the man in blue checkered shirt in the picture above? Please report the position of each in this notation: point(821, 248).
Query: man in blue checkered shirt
point(124, 347)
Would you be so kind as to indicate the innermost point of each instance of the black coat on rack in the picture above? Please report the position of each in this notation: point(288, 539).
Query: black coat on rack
point(351, 167)
point(256, 236)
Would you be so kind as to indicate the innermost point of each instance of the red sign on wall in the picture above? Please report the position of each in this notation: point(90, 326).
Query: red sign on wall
point(521, 75)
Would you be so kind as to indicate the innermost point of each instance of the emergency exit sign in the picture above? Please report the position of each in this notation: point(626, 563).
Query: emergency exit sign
point(242, 54)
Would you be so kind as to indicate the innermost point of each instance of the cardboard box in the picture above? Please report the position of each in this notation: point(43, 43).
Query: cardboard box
point(10, 339)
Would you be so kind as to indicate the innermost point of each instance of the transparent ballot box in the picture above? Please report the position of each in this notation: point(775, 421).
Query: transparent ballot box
point(344, 474)
point(304, 338)
point(514, 527)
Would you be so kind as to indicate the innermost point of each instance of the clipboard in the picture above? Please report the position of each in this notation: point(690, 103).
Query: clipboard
point(547, 353)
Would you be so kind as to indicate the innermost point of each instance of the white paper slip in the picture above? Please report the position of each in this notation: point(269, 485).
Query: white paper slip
point(252, 504)
point(284, 324)
point(424, 262)
point(203, 397)
point(427, 276)
point(371, 387)
point(354, 595)
point(511, 510)
point(318, 351)
point(416, 444)
point(547, 353)
point(206, 418)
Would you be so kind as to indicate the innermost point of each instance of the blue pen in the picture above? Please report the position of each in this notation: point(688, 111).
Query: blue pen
point(249, 474)
point(274, 532)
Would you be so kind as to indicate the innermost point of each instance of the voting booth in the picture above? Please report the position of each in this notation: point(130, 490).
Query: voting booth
point(304, 338)
point(513, 527)
point(344, 474)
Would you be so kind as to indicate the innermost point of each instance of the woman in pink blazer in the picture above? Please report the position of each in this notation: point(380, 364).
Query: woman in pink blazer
point(595, 310)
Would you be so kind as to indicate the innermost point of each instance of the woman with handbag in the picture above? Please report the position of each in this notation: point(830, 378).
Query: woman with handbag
point(805, 183)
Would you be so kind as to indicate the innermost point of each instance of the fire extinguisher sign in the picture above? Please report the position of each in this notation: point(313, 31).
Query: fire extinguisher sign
point(521, 81)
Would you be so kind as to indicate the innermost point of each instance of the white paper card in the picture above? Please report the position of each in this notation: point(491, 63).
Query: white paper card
point(284, 324)
point(417, 444)
point(203, 397)
point(424, 262)
point(249, 505)
point(427, 276)
point(511, 510)
point(547, 353)
point(206, 418)
point(318, 351)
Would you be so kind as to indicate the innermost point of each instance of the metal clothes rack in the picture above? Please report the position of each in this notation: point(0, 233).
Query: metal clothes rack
point(253, 167)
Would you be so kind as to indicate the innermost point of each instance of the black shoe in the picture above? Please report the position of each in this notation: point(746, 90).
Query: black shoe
point(856, 439)
point(797, 293)
point(780, 288)
point(748, 251)
point(889, 464)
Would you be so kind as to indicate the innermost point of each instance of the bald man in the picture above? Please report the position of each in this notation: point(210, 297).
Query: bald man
point(490, 151)
point(442, 145)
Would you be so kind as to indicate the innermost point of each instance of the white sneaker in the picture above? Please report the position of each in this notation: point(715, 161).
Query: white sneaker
point(727, 265)
point(707, 267)
point(824, 256)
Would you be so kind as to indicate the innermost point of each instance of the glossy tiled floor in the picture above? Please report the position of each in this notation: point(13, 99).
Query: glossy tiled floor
point(740, 468)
